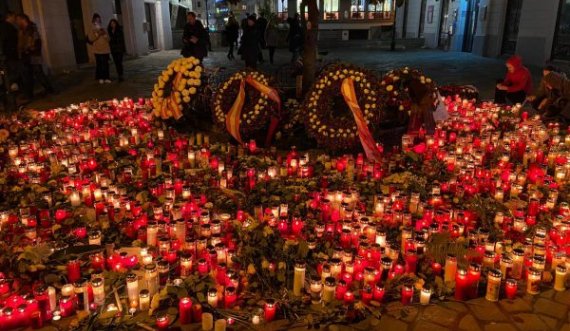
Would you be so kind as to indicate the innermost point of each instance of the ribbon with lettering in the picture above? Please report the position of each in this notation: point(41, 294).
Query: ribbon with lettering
point(234, 115)
point(368, 143)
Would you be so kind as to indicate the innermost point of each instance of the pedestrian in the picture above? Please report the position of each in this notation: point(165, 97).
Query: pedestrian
point(541, 96)
point(232, 33)
point(422, 108)
point(271, 38)
point(30, 53)
point(517, 83)
point(556, 105)
point(117, 44)
point(249, 46)
point(294, 37)
point(195, 38)
point(99, 41)
point(261, 25)
point(244, 22)
point(9, 49)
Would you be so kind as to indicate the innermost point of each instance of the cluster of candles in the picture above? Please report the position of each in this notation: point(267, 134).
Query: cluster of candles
point(183, 232)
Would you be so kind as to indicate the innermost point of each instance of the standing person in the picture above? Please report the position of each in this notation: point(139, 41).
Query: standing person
point(261, 25)
point(232, 33)
point(271, 38)
point(294, 37)
point(422, 108)
point(195, 38)
point(99, 41)
point(30, 51)
point(9, 48)
point(249, 47)
point(117, 44)
point(517, 83)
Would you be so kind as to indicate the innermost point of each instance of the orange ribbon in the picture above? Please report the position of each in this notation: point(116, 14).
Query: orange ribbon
point(366, 139)
point(233, 118)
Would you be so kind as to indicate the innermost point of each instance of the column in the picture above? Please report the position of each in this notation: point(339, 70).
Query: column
point(413, 19)
point(134, 22)
point(489, 35)
point(163, 27)
point(536, 31)
point(431, 26)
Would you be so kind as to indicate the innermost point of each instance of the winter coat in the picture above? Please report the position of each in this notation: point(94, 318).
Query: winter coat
point(117, 40)
point(30, 45)
point(9, 41)
point(249, 45)
point(261, 25)
point(99, 40)
point(200, 48)
point(520, 79)
point(271, 36)
point(294, 37)
point(232, 32)
point(559, 96)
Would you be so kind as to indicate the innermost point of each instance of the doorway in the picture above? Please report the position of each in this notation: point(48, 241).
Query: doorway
point(471, 18)
point(77, 31)
point(561, 45)
point(511, 31)
point(444, 24)
point(149, 16)
point(422, 19)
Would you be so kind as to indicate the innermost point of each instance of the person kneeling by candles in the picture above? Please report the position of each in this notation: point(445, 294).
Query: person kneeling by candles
point(516, 84)
point(540, 98)
point(557, 105)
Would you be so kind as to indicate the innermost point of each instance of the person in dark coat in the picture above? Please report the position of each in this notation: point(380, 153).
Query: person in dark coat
point(294, 37)
point(195, 38)
point(232, 33)
point(557, 103)
point(249, 47)
point(422, 108)
point(517, 83)
point(9, 48)
point(261, 25)
point(540, 96)
point(30, 52)
point(271, 39)
point(117, 44)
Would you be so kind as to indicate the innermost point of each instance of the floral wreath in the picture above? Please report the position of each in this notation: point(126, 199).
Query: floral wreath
point(256, 107)
point(333, 130)
point(394, 87)
point(176, 87)
point(468, 92)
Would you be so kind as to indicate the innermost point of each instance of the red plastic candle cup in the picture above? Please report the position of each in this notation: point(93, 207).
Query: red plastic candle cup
point(270, 309)
point(511, 287)
point(348, 297)
point(73, 270)
point(436, 268)
point(230, 297)
point(461, 284)
point(366, 294)
point(202, 266)
point(341, 289)
point(162, 322)
point(407, 294)
point(66, 306)
point(197, 313)
point(378, 293)
point(185, 310)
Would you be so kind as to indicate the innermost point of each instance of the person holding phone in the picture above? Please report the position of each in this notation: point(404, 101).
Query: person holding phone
point(98, 38)
point(195, 38)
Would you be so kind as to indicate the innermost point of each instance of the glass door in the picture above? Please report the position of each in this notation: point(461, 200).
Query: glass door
point(561, 46)
point(511, 27)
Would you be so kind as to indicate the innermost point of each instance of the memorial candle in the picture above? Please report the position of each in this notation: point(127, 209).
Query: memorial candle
point(151, 279)
point(213, 297)
point(133, 289)
point(560, 278)
point(162, 322)
point(407, 294)
point(144, 300)
point(329, 289)
point(518, 261)
point(207, 321)
point(299, 278)
point(493, 285)
point(73, 270)
point(220, 325)
point(450, 268)
point(98, 287)
point(511, 288)
point(66, 306)
point(474, 276)
point(425, 296)
point(185, 265)
point(461, 285)
point(230, 297)
point(185, 310)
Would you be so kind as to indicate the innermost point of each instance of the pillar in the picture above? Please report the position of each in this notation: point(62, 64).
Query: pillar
point(490, 27)
point(536, 31)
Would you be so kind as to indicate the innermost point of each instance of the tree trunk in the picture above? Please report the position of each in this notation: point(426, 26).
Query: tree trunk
point(310, 43)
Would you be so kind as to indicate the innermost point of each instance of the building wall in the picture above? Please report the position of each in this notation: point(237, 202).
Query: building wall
point(431, 28)
point(53, 25)
point(413, 19)
point(536, 30)
point(490, 28)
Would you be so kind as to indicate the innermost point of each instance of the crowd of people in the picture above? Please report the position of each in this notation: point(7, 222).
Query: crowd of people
point(257, 34)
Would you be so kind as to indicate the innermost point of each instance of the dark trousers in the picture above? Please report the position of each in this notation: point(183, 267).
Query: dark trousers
point(250, 62)
point(118, 59)
point(231, 50)
point(31, 73)
point(271, 53)
point(502, 96)
point(101, 66)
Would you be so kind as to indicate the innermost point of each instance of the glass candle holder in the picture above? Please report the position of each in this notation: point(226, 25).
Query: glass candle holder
point(299, 278)
point(511, 287)
point(493, 285)
point(450, 268)
point(151, 278)
point(329, 289)
point(316, 287)
point(533, 281)
point(518, 262)
point(144, 300)
point(560, 278)
point(185, 310)
point(407, 294)
point(425, 296)
point(270, 309)
point(133, 289)
point(98, 287)
point(213, 297)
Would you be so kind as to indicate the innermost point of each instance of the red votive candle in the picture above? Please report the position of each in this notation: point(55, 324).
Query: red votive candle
point(436, 268)
point(270, 309)
point(185, 310)
point(341, 289)
point(407, 294)
point(202, 266)
point(378, 293)
point(66, 306)
point(162, 322)
point(197, 313)
point(230, 297)
point(348, 297)
point(461, 284)
point(511, 287)
point(73, 270)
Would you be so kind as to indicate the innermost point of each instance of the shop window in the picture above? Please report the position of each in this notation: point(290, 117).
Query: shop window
point(357, 8)
point(330, 10)
point(380, 10)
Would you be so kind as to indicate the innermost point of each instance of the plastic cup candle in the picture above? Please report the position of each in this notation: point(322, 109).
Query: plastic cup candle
point(95, 238)
point(329, 289)
point(450, 268)
point(73, 270)
point(407, 294)
point(207, 321)
point(151, 278)
point(316, 288)
point(151, 234)
point(518, 261)
point(144, 300)
point(533, 281)
point(493, 285)
point(560, 278)
point(270, 309)
point(511, 287)
point(474, 276)
point(75, 199)
point(185, 310)
point(213, 297)
point(461, 285)
point(425, 296)
point(220, 325)
point(162, 322)
point(133, 289)
point(299, 278)
point(98, 287)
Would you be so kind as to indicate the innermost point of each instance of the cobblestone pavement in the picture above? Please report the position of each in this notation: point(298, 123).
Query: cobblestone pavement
point(141, 73)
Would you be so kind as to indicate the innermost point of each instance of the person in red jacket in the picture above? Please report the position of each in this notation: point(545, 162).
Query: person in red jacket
point(517, 83)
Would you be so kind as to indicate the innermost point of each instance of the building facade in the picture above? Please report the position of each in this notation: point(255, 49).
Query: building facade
point(539, 31)
point(63, 25)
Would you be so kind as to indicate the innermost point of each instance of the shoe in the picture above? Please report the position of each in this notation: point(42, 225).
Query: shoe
point(101, 81)
point(107, 81)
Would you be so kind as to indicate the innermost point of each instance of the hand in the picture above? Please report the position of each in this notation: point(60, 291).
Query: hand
point(502, 87)
point(531, 98)
point(543, 105)
point(193, 39)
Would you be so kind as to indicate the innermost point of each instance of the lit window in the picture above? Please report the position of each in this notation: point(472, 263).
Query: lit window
point(357, 9)
point(330, 10)
point(380, 10)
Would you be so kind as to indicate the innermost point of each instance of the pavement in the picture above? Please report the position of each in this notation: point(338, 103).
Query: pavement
point(141, 73)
